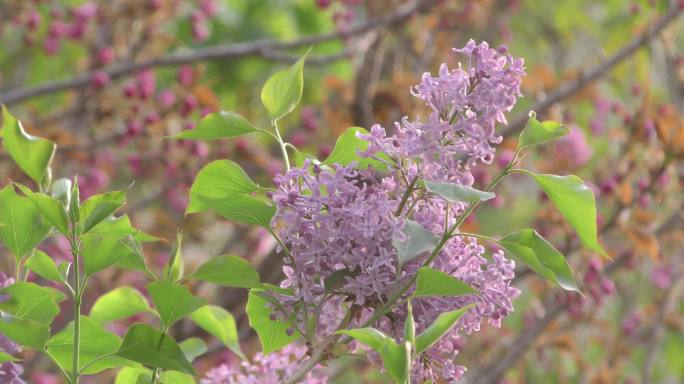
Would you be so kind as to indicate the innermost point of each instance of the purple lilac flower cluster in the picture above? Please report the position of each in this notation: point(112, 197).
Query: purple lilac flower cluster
point(9, 372)
point(338, 222)
point(272, 368)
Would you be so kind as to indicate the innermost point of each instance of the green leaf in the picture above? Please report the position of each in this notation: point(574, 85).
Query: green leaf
point(347, 148)
point(272, 334)
point(219, 179)
point(338, 278)
point(174, 377)
point(219, 125)
point(231, 271)
point(282, 91)
point(454, 192)
point(431, 282)
point(193, 348)
point(173, 302)
point(96, 343)
point(4, 357)
point(99, 207)
point(51, 208)
point(32, 154)
point(30, 301)
point(24, 332)
point(132, 256)
point(536, 133)
point(131, 375)
point(120, 303)
point(101, 251)
point(43, 266)
point(418, 240)
point(576, 202)
point(441, 326)
point(395, 357)
point(219, 323)
point(242, 209)
point(122, 226)
point(22, 225)
point(371, 337)
point(538, 254)
point(174, 268)
point(145, 345)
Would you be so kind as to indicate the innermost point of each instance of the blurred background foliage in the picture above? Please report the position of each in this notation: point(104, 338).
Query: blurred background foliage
point(111, 121)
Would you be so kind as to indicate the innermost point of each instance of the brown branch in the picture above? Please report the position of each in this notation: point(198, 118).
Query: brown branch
point(572, 87)
point(492, 373)
point(266, 48)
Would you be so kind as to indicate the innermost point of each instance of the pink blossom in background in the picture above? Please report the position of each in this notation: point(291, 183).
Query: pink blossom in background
point(573, 148)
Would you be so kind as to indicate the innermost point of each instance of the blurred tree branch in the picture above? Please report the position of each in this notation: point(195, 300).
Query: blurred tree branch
point(267, 49)
point(493, 371)
point(573, 86)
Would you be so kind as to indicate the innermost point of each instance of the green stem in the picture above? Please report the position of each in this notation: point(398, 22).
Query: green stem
point(283, 148)
point(483, 237)
point(155, 370)
point(77, 312)
point(407, 194)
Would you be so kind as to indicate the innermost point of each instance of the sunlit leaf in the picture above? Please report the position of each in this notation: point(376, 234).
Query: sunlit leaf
point(95, 343)
point(219, 125)
point(576, 202)
point(231, 271)
point(431, 282)
point(538, 254)
point(218, 180)
point(273, 334)
point(282, 91)
point(145, 345)
point(536, 132)
point(172, 301)
point(219, 323)
point(32, 154)
point(441, 326)
point(22, 224)
point(120, 303)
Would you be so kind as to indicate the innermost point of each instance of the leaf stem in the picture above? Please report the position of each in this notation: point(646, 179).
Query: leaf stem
point(77, 310)
point(283, 148)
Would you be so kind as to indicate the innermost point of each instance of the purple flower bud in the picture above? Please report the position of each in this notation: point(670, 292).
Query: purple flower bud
point(105, 56)
point(185, 76)
point(33, 20)
point(51, 45)
point(85, 12)
point(631, 323)
point(99, 79)
point(188, 105)
point(133, 128)
point(208, 7)
point(130, 90)
point(660, 277)
point(146, 83)
point(167, 98)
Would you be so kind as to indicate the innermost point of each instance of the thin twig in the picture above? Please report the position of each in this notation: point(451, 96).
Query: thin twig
point(573, 86)
point(266, 48)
